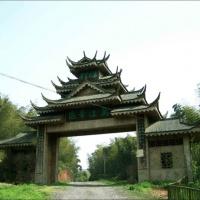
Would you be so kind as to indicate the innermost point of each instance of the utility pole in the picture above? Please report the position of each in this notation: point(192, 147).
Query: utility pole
point(105, 153)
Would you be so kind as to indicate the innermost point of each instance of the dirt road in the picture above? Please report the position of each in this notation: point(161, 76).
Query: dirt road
point(91, 190)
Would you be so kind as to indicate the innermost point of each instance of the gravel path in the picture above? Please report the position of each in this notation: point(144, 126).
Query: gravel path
point(91, 190)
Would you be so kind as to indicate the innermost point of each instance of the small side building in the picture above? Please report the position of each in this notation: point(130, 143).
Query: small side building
point(18, 164)
point(169, 149)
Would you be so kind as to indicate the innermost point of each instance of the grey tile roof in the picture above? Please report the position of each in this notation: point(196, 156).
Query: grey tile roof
point(167, 126)
point(43, 120)
point(129, 96)
point(129, 109)
point(81, 98)
point(22, 139)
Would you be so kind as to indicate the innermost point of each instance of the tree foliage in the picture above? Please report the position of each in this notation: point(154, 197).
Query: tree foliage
point(113, 160)
point(10, 121)
point(188, 114)
point(68, 157)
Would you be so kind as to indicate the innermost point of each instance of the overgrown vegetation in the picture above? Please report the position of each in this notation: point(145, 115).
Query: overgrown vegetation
point(68, 157)
point(18, 166)
point(116, 160)
point(30, 191)
point(148, 190)
point(191, 115)
point(82, 176)
point(11, 123)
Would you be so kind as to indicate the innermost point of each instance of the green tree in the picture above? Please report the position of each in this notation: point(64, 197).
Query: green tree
point(113, 161)
point(188, 114)
point(10, 122)
point(68, 157)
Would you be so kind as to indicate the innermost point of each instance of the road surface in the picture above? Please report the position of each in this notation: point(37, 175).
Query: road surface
point(91, 190)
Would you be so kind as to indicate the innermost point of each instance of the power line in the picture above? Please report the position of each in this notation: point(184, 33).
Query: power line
point(38, 86)
point(26, 82)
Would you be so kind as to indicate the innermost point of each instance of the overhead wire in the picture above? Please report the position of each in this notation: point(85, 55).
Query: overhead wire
point(41, 87)
point(26, 82)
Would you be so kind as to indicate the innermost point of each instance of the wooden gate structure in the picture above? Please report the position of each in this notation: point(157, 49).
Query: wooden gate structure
point(97, 102)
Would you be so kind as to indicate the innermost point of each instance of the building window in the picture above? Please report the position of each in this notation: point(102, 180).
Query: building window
point(166, 160)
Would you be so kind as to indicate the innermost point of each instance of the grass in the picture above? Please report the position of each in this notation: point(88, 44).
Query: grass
point(194, 184)
point(24, 191)
point(146, 189)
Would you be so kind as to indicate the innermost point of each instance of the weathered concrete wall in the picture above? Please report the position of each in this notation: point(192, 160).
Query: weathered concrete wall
point(156, 170)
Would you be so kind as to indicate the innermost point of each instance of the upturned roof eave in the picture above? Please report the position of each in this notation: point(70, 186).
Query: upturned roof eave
point(75, 70)
point(35, 123)
point(149, 108)
point(43, 119)
point(132, 112)
point(136, 100)
point(108, 81)
point(86, 102)
point(4, 146)
point(171, 132)
point(55, 107)
point(38, 108)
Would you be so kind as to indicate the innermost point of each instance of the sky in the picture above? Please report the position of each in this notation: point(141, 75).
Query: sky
point(154, 43)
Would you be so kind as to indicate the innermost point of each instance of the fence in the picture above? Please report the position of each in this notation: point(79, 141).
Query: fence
point(176, 192)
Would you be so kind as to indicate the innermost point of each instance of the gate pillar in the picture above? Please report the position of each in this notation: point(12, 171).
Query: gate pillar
point(46, 157)
point(142, 149)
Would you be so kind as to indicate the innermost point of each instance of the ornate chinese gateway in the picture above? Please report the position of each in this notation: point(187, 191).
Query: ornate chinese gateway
point(97, 102)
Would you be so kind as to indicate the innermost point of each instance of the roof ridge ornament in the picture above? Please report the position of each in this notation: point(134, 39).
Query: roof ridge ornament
point(84, 54)
point(26, 118)
point(56, 86)
point(117, 70)
point(53, 84)
point(105, 58)
point(46, 99)
point(70, 66)
point(133, 90)
point(120, 71)
point(95, 55)
point(71, 61)
point(165, 115)
point(104, 55)
point(33, 105)
point(60, 80)
point(155, 102)
point(144, 89)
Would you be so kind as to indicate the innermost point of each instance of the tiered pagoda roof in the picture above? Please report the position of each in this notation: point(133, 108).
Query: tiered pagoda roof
point(95, 87)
